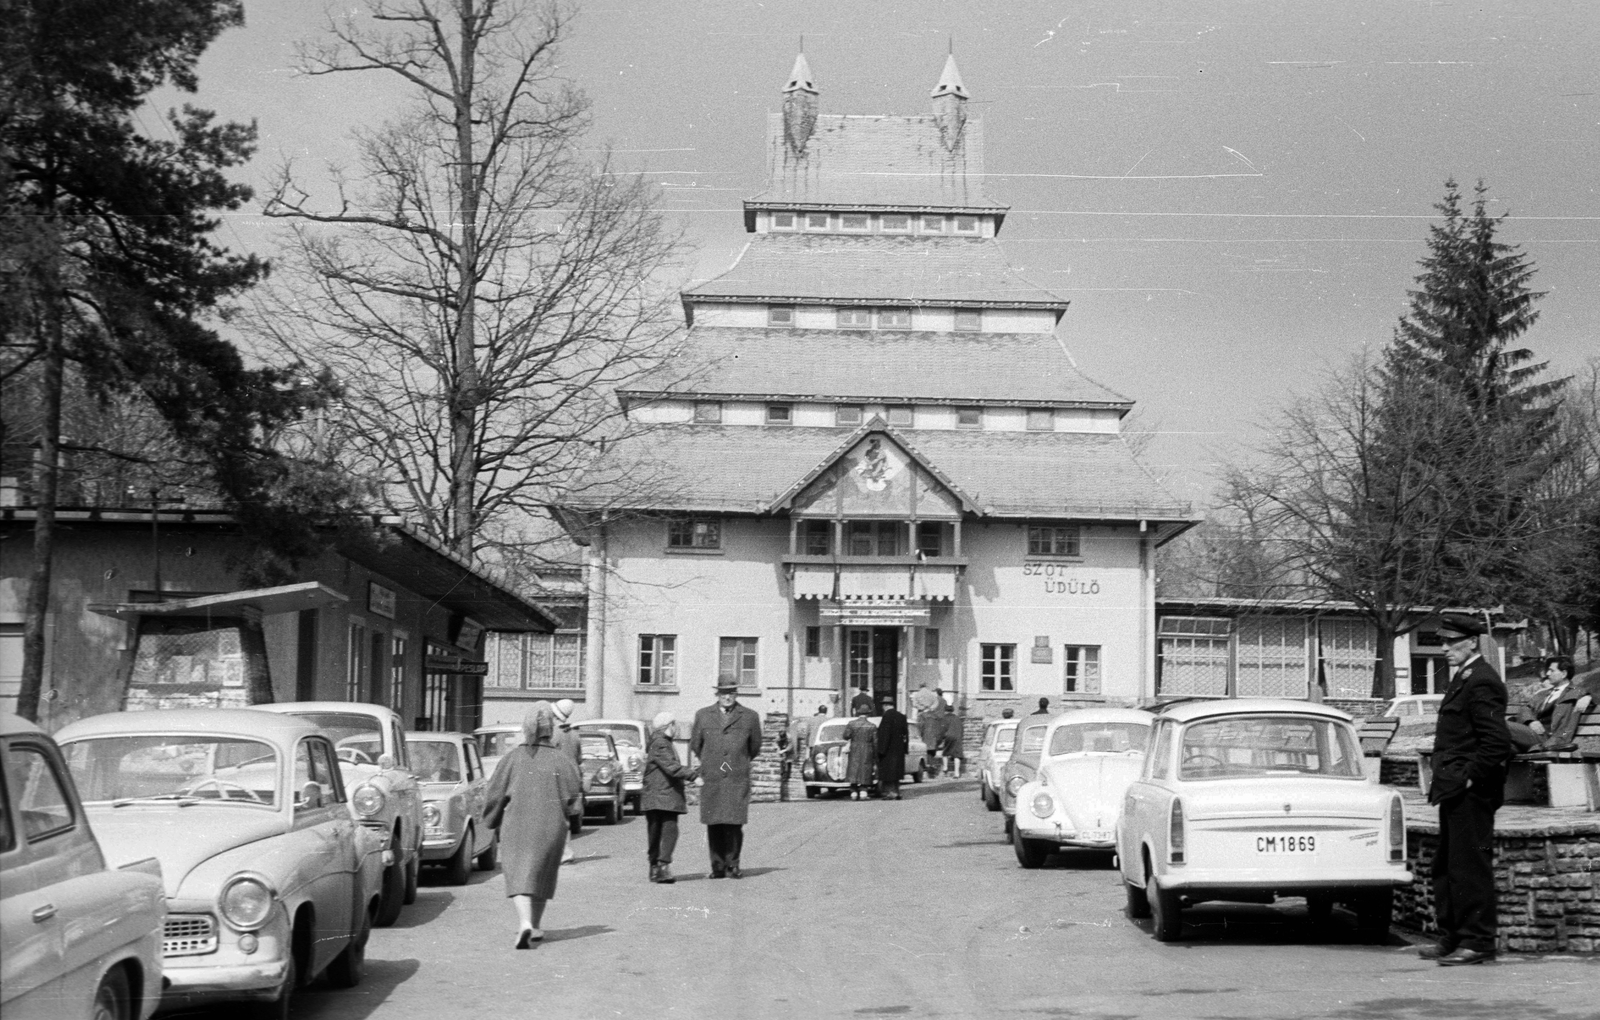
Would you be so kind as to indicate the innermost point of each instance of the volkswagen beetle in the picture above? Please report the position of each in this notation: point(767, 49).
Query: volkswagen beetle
point(1087, 759)
point(269, 881)
point(453, 781)
point(384, 794)
point(827, 760)
point(1253, 799)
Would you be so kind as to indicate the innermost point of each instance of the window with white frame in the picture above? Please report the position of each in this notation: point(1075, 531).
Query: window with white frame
point(736, 660)
point(813, 642)
point(658, 660)
point(969, 320)
point(997, 667)
point(847, 414)
point(854, 318)
point(1192, 654)
point(966, 224)
point(858, 222)
point(780, 414)
point(818, 536)
point(894, 318)
point(694, 533)
point(783, 221)
point(817, 221)
point(1081, 669)
point(780, 315)
point(356, 676)
point(933, 224)
point(708, 412)
point(894, 223)
point(1041, 419)
point(969, 417)
point(1053, 540)
point(400, 644)
point(900, 414)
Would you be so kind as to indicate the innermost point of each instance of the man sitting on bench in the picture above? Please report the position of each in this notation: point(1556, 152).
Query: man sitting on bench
point(1553, 714)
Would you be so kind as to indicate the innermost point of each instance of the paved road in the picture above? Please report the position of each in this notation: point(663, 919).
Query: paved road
point(912, 908)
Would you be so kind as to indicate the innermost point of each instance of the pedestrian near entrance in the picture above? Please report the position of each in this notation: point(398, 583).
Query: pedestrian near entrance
point(863, 738)
point(535, 788)
point(1471, 746)
point(726, 738)
point(894, 743)
point(862, 697)
point(662, 799)
point(1044, 707)
point(822, 716)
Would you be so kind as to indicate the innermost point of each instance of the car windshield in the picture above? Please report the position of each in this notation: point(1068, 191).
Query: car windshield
point(621, 732)
point(185, 768)
point(1245, 746)
point(596, 746)
point(1004, 739)
point(435, 761)
point(359, 738)
point(1108, 737)
point(833, 729)
point(493, 745)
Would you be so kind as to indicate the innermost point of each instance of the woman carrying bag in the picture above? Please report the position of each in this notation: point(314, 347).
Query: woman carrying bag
point(662, 799)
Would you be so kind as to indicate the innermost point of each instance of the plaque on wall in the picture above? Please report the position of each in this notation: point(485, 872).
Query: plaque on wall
point(380, 600)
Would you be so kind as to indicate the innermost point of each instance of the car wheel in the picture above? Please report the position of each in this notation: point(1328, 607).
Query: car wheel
point(278, 1007)
point(1166, 922)
point(1030, 852)
point(1007, 826)
point(413, 875)
point(811, 793)
point(991, 800)
point(350, 965)
point(1138, 902)
point(1374, 911)
point(393, 895)
point(921, 772)
point(1319, 908)
point(459, 867)
point(614, 811)
point(490, 858)
point(112, 1000)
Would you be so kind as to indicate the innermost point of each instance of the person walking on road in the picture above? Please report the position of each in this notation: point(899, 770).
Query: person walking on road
point(894, 743)
point(725, 739)
point(662, 799)
point(1471, 748)
point(535, 788)
point(863, 738)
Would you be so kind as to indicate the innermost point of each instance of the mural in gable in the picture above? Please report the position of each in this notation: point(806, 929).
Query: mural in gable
point(876, 478)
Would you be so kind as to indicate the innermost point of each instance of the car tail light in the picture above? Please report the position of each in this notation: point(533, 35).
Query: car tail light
point(1175, 846)
point(1397, 830)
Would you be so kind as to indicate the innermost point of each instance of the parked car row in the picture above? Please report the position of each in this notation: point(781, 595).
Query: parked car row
point(827, 760)
point(1251, 800)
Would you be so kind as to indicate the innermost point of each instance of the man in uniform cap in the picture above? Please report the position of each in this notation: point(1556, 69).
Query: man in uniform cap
point(726, 738)
point(1471, 747)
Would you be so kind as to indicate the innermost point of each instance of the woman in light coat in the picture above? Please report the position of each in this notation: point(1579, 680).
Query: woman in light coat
point(662, 799)
point(535, 789)
point(863, 737)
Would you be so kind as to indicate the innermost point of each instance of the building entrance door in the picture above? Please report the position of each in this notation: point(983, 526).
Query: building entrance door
point(874, 663)
point(1430, 674)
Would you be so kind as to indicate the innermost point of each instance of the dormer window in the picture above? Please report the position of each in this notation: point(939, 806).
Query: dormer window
point(859, 222)
point(1041, 419)
point(780, 315)
point(894, 318)
point(969, 320)
point(783, 221)
point(855, 318)
point(817, 221)
point(708, 412)
point(780, 414)
point(969, 417)
point(933, 224)
point(847, 414)
point(900, 415)
point(966, 224)
point(894, 224)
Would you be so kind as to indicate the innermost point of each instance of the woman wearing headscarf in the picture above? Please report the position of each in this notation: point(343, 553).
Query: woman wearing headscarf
point(534, 790)
point(662, 799)
point(863, 738)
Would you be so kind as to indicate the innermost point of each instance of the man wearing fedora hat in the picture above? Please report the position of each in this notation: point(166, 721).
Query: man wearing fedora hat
point(726, 738)
point(1471, 746)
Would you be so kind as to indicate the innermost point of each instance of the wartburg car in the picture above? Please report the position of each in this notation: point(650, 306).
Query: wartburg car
point(1255, 799)
point(828, 758)
point(632, 737)
point(602, 776)
point(77, 939)
point(383, 792)
point(453, 782)
point(269, 881)
point(1086, 762)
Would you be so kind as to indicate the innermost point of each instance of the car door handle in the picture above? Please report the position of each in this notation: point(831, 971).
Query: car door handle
point(44, 913)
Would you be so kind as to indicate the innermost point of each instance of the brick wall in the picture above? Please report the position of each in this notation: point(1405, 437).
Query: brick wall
point(1548, 885)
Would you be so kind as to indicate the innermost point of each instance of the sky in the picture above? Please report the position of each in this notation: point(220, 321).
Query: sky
point(1233, 194)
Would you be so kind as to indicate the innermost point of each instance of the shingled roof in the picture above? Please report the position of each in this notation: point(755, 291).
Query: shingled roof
point(743, 469)
point(878, 162)
point(877, 269)
point(873, 366)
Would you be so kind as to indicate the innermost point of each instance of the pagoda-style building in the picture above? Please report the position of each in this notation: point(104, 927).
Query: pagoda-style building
point(871, 462)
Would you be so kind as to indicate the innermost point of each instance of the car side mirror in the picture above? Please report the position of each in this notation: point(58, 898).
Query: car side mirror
point(311, 796)
point(385, 762)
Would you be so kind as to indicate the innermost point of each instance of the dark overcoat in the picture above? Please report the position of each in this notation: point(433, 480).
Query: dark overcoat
point(543, 787)
point(664, 777)
point(863, 751)
point(1471, 740)
point(726, 743)
point(894, 743)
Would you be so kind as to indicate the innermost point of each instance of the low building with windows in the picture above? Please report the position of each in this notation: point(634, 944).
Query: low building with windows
point(871, 462)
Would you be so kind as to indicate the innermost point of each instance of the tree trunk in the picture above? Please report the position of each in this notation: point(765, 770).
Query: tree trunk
point(47, 481)
point(465, 399)
point(1383, 674)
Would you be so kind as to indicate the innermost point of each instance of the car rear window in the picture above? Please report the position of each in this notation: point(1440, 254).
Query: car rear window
point(187, 767)
point(1249, 746)
point(435, 761)
point(1005, 739)
point(1033, 738)
point(493, 745)
point(1107, 737)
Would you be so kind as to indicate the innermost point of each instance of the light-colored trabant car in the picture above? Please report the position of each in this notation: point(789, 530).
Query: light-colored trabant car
point(384, 794)
point(631, 737)
point(269, 880)
point(1023, 763)
point(993, 753)
point(827, 760)
point(602, 776)
point(1253, 799)
point(453, 782)
point(77, 939)
point(1088, 758)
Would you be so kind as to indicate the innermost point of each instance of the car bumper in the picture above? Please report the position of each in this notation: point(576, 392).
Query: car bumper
point(223, 982)
point(1218, 880)
point(1061, 836)
point(439, 848)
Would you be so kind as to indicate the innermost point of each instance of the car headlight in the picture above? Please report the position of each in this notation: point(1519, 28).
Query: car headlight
point(368, 800)
point(1014, 784)
point(820, 757)
point(432, 817)
point(1044, 805)
point(604, 775)
point(246, 902)
point(633, 763)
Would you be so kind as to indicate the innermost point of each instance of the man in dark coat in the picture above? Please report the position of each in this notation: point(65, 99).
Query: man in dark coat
point(863, 698)
point(726, 738)
point(894, 743)
point(1471, 747)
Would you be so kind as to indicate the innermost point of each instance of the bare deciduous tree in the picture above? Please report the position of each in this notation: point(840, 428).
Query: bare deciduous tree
point(480, 286)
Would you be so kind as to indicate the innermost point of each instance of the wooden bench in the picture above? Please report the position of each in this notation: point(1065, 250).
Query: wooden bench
point(1572, 778)
point(1375, 734)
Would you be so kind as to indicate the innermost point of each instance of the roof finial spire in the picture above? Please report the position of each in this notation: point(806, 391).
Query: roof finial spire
point(799, 103)
point(950, 102)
